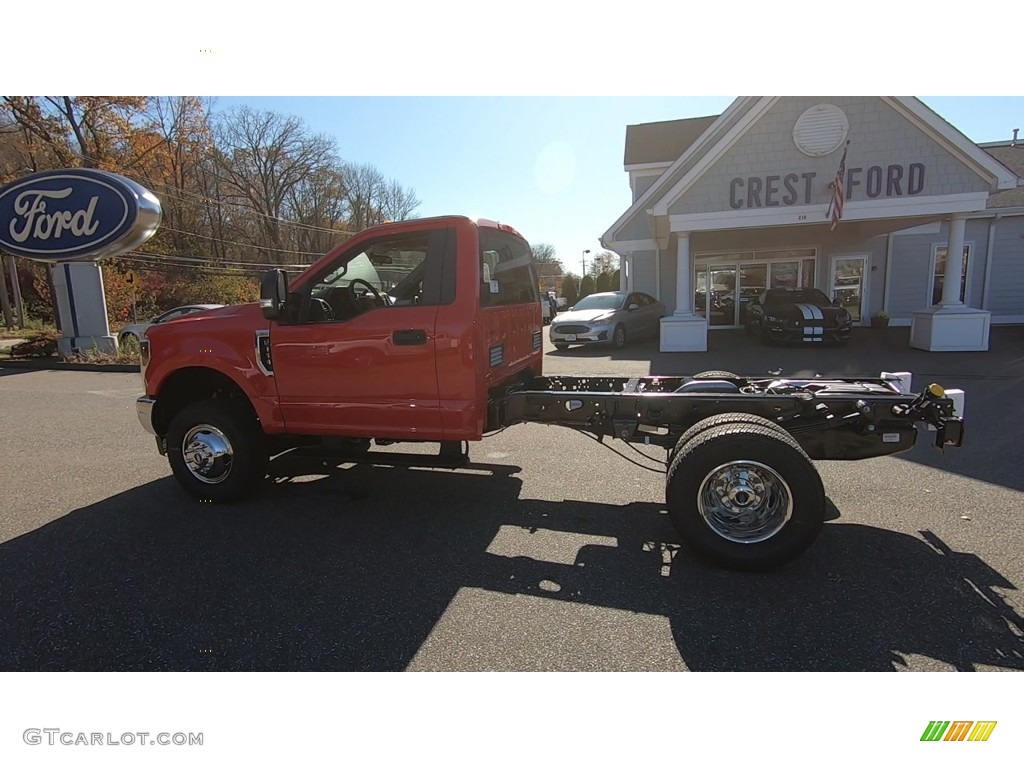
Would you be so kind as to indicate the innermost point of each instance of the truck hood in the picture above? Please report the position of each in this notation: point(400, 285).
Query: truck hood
point(238, 317)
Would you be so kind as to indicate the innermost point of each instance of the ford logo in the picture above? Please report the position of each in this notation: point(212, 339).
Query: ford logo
point(75, 214)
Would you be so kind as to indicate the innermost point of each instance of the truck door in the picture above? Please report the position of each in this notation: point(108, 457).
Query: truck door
point(357, 355)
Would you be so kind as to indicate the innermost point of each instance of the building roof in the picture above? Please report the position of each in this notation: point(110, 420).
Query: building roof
point(1013, 158)
point(663, 142)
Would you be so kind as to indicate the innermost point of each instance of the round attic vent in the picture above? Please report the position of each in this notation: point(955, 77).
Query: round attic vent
point(820, 130)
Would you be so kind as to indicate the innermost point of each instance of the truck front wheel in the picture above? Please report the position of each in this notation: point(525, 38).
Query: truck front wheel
point(216, 450)
point(745, 496)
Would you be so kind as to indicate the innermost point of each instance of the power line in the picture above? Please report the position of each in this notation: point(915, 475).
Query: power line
point(244, 245)
point(153, 266)
point(189, 260)
point(184, 195)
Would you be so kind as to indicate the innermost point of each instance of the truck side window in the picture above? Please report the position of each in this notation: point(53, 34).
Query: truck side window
point(506, 270)
point(404, 270)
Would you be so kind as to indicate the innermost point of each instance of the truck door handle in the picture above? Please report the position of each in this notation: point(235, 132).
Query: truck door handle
point(409, 338)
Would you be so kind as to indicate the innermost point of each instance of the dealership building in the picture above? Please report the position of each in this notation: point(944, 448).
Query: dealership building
point(727, 206)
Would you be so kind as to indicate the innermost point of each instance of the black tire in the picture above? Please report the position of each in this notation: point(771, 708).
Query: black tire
point(247, 467)
point(762, 447)
point(718, 420)
point(561, 347)
point(715, 375)
point(619, 337)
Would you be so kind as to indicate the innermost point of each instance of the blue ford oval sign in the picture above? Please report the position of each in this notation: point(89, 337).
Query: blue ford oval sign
point(75, 214)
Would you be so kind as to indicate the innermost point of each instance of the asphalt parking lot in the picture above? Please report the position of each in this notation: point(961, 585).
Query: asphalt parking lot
point(549, 553)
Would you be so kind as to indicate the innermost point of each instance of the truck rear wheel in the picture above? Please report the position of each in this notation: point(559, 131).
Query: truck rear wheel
point(745, 496)
point(722, 418)
point(216, 450)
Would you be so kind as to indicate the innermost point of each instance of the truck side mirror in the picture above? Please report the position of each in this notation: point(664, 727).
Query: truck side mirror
point(273, 291)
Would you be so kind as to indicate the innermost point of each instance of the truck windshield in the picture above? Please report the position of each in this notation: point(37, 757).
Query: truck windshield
point(506, 269)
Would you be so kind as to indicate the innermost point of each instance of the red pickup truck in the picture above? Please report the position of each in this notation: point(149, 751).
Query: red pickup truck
point(431, 331)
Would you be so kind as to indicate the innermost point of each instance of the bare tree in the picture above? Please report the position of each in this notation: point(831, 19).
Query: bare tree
point(372, 199)
point(364, 186)
point(262, 157)
point(317, 203)
point(544, 253)
point(397, 202)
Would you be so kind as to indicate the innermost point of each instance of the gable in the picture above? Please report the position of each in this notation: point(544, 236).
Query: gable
point(635, 223)
point(888, 157)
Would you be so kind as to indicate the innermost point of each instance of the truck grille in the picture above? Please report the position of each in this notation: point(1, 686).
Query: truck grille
point(497, 355)
point(571, 328)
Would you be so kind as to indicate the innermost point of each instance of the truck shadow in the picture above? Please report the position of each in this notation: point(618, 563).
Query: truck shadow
point(353, 571)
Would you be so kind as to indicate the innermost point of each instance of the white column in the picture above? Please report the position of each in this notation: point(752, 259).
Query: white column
point(954, 262)
point(951, 326)
point(684, 271)
point(624, 270)
point(682, 331)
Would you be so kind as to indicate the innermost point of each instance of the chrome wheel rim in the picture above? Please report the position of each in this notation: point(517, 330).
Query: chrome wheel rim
point(745, 502)
point(620, 337)
point(207, 453)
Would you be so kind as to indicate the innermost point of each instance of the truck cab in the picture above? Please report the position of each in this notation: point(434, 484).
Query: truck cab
point(401, 333)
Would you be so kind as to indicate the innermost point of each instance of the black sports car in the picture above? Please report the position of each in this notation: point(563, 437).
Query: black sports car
point(797, 314)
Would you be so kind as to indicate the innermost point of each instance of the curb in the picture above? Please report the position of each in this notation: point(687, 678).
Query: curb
point(54, 365)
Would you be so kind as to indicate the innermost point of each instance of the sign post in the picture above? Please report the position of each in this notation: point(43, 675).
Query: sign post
point(133, 280)
point(68, 219)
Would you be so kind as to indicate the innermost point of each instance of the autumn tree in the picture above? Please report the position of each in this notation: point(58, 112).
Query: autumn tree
point(238, 189)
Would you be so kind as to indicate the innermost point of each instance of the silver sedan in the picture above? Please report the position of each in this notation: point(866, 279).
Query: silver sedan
point(615, 318)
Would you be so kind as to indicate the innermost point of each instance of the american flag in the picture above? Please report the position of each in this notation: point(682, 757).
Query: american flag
point(836, 206)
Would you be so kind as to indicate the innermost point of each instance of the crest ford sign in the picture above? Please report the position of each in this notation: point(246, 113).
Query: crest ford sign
point(75, 214)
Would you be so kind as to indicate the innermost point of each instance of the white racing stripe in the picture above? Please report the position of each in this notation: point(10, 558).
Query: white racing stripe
point(812, 333)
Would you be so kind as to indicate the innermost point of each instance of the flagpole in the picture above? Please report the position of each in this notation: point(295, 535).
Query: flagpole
point(832, 185)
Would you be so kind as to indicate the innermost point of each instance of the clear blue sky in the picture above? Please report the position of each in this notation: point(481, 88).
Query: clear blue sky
point(549, 166)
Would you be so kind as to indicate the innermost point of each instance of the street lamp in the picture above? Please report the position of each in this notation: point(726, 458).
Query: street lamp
point(585, 263)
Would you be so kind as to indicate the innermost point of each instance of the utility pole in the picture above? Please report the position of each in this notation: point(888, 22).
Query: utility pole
point(19, 306)
point(5, 303)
